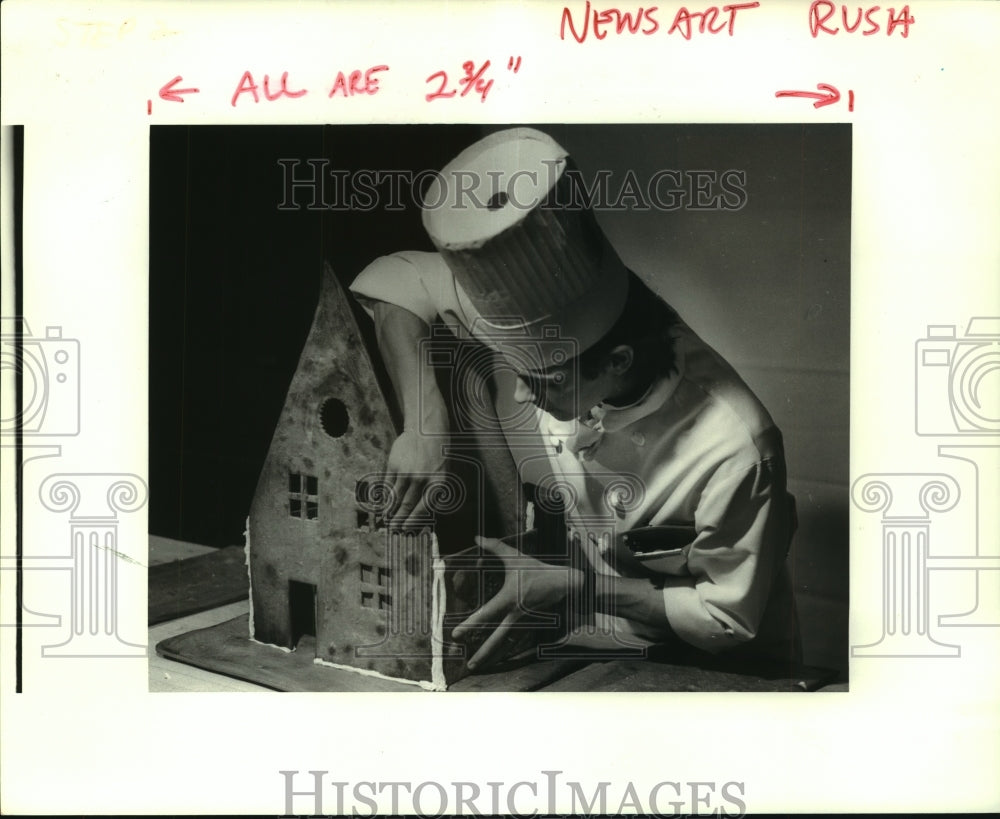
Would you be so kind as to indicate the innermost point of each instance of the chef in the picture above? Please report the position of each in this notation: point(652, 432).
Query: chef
point(671, 472)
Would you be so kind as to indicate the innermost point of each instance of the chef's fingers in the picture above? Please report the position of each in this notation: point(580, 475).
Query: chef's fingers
point(496, 547)
point(492, 613)
point(418, 516)
point(411, 492)
point(397, 484)
point(493, 647)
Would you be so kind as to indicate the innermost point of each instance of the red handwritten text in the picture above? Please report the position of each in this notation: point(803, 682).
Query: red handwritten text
point(599, 23)
point(171, 93)
point(824, 94)
point(708, 20)
point(347, 85)
point(622, 21)
point(248, 86)
point(821, 12)
point(474, 78)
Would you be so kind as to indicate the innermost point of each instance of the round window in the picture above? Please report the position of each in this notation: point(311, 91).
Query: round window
point(333, 417)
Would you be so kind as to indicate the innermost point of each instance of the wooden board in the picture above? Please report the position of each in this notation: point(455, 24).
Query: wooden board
point(533, 676)
point(184, 587)
point(654, 675)
point(166, 550)
point(227, 649)
point(166, 676)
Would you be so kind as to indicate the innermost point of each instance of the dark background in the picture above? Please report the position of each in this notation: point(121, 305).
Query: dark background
point(233, 287)
point(234, 281)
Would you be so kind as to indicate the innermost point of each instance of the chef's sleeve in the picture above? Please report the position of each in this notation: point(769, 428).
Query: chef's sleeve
point(413, 280)
point(744, 523)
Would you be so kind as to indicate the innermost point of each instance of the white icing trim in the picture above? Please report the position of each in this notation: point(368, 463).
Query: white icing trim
point(272, 645)
point(438, 605)
point(246, 559)
point(246, 552)
point(429, 686)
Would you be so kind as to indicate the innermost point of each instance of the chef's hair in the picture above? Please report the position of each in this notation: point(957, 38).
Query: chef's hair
point(644, 325)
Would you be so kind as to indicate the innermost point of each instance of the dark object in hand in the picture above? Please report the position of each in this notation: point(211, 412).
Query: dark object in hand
point(666, 537)
point(660, 549)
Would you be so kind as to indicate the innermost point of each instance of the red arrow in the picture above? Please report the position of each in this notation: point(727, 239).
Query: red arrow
point(828, 96)
point(171, 94)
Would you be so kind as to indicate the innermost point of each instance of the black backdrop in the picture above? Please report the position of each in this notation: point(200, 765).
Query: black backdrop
point(233, 287)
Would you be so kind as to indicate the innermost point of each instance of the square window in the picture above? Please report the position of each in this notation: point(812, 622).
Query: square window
point(367, 573)
point(303, 496)
point(367, 600)
point(385, 601)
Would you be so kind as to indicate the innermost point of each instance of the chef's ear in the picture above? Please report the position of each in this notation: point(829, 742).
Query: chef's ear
point(620, 359)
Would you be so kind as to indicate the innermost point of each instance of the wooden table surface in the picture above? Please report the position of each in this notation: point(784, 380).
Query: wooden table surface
point(613, 675)
point(167, 675)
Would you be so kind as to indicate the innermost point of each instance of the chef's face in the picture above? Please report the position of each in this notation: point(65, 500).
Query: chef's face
point(560, 391)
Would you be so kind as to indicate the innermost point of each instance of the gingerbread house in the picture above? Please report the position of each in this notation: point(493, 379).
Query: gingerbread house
point(321, 563)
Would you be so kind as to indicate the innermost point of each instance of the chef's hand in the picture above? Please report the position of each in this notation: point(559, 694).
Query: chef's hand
point(416, 456)
point(414, 461)
point(529, 586)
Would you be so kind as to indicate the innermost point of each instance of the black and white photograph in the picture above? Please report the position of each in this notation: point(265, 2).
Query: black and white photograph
point(513, 408)
point(558, 408)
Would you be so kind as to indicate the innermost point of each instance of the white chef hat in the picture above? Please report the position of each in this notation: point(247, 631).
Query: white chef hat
point(530, 258)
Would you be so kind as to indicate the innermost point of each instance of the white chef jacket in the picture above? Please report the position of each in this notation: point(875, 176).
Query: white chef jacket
point(697, 448)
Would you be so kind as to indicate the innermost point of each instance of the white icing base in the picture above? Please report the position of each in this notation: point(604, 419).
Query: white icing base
point(272, 645)
point(428, 686)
